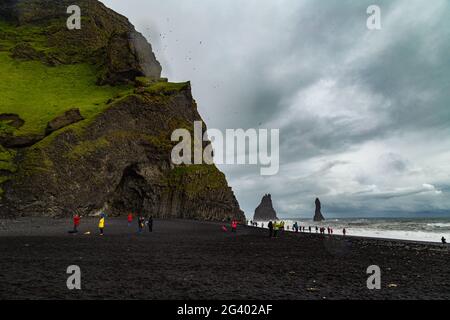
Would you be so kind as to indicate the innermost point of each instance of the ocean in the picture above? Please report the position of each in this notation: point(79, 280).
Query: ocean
point(415, 229)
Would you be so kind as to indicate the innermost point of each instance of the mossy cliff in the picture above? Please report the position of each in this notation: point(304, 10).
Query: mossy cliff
point(86, 120)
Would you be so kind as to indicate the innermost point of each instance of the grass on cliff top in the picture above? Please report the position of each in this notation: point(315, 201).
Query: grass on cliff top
point(38, 93)
point(166, 88)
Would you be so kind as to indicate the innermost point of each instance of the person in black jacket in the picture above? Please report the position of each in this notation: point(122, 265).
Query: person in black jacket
point(270, 229)
point(150, 224)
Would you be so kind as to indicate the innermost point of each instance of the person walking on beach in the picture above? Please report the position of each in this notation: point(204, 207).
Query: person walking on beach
point(270, 226)
point(444, 241)
point(234, 226)
point(140, 224)
point(130, 219)
point(276, 227)
point(101, 224)
point(344, 232)
point(76, 223)
point(150, 224)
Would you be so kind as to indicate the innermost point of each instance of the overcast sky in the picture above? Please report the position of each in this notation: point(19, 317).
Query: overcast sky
point(363, 115)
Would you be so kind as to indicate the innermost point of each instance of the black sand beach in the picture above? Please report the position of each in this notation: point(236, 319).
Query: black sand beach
point(196, 260)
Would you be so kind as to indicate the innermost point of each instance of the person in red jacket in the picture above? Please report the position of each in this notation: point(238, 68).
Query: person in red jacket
point(76, 223)
point(234, 225)
point(130, 219)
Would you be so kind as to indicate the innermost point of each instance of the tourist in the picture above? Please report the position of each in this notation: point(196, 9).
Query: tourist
point(317, 229)
point(150, 224)
point(140, 224)
point(310, 229)
point(234, 226)
point(276, 226)
point(101, 224)
point(344, 232)
point(270, 226)
point(444, 241)
point(130, 219)
point(76, 223)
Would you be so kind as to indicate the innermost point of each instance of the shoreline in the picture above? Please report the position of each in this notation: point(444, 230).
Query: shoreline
point(67, 222)
point(365, 237)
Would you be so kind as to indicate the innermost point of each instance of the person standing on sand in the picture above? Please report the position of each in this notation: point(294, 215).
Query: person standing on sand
point(130, 219)
point(276, 227)
point(101, 224)
point(234, 226)
point(270, 226)
point(76, 223)
point(344, 232)
point(444, 241)
point(150, 224)
point(140, 221)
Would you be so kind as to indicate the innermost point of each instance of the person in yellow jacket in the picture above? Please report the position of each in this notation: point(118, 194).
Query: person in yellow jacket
point(101, 224)
point(276, 227)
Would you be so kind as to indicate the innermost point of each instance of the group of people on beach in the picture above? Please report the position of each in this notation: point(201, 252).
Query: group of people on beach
point(141, 220)
point(276, 226)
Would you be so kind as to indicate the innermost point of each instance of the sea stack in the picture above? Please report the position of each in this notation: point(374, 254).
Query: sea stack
point(265, 211)
point(318, 215)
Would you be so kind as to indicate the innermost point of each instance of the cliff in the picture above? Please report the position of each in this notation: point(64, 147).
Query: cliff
point(265, 210)
point(86, 121)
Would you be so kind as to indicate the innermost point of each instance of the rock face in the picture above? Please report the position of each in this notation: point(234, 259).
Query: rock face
point(119, 160)
point(265, 211)
point(318, 217)
point(69, 117)
point(106, 38)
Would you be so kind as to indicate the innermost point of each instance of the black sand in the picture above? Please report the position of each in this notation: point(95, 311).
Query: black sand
point(194, 260)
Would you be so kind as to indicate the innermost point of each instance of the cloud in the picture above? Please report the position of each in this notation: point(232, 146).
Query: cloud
point(401, 192)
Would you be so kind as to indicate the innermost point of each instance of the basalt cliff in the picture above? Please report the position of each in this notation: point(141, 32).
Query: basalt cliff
point(86, 120)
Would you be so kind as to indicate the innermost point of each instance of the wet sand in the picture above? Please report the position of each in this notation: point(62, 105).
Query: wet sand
point(197, 260)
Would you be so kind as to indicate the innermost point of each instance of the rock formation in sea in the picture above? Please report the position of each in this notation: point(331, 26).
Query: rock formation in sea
point(86, 121)
point(265, 211)
point(318, 214)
